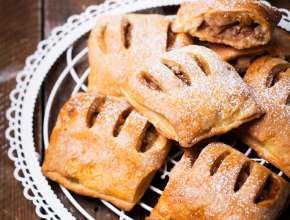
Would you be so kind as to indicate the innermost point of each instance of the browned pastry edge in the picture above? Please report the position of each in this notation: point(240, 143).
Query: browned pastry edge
point(279, 46)
point(264, 153)
point(170, 132)
point(79, 189)
point(229, 53)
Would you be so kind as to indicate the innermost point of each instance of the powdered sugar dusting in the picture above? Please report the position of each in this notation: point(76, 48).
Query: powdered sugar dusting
point(97, 160)
point(192, 193)
point(274, 126)
point(214, 101)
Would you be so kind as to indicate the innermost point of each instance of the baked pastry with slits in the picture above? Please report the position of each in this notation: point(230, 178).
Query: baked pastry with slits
point(221, 184)
point(101, 147)
point(119, 45)
point(270, 135)
point(238, 23)
point(190, 94)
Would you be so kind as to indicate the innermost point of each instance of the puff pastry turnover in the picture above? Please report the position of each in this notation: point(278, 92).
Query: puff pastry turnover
point(101, 147)
point(238, 23)
point(191, 94)
point(270, 135)
point(221, 184)
point(119, 45)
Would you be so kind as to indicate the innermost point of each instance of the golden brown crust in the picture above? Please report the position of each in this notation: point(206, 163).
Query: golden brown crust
point(238, 23)
point(242, 64)
point(279, 46)
point(230, 53)
point(220, 184)
point(102, 155)
point(121, 44)
point(241, 59)
point(269, 136)
point(190, 95)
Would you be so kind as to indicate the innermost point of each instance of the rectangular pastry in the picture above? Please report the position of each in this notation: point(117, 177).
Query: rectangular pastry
point(191, 94)
point(101, 147)
point(120, 44)
point(221, 184)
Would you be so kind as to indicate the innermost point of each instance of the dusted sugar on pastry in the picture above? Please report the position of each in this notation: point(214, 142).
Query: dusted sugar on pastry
point(101, 147)
point(221, 184)
point(238, 23)
point(190, 94)
point(121, 44)
point(270, 135)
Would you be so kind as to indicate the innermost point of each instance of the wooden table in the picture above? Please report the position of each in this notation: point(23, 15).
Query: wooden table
point(22, 25)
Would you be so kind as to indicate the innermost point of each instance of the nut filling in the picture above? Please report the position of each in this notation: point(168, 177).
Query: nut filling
point(230, 28)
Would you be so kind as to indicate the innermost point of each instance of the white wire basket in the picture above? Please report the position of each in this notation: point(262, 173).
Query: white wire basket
point(20, 134)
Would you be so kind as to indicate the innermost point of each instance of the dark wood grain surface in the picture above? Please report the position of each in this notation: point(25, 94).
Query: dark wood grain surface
point(20, 31)
point(22, 25)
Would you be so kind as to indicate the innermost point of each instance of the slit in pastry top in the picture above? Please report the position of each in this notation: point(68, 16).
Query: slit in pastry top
point(190, 94)
point(102, 148)
point(240, 188)
point(121, 44)
point(269, 78)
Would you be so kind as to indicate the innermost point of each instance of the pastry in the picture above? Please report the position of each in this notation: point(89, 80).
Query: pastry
point(279, 46)
point(101, 147)
point(237, 23)
point(242, 64)
point(269, 78)
point(229, 53)
point(239, 59)
point(190, 94)
point(120, 44)
point(221, 184)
